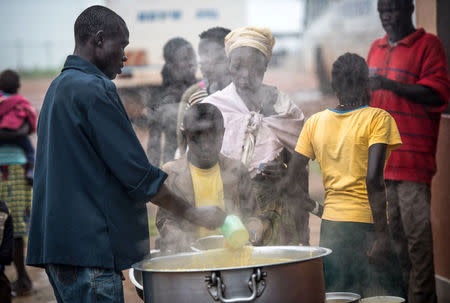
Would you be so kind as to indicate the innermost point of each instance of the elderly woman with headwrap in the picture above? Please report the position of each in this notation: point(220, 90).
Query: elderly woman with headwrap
point(262, 125)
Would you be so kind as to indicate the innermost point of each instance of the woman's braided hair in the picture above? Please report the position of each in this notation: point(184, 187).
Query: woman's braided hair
point(350, 80)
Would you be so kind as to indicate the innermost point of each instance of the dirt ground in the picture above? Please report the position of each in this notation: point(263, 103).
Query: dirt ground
point(301, 88)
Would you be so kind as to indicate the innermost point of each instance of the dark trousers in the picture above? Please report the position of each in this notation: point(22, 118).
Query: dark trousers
point(5, 288)
point(410, 228)
point(73, 284)
point(348, 269)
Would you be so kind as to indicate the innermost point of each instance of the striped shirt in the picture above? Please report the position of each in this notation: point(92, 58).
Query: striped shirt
point(417, 59)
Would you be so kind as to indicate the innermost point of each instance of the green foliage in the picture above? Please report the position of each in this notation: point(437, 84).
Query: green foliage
point(39, 73)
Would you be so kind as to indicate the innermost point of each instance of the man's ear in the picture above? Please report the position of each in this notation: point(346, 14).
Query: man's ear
point(99, 38)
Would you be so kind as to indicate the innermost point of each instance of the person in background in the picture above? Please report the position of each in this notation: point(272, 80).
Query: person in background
point(17, 121)
point(410, 80)
point(92, 178)
point(214, 68)
point(351, 143)
point(6, 250)
point(205, 176)
point(262, 125)
point(15, 109)
point(178, 74)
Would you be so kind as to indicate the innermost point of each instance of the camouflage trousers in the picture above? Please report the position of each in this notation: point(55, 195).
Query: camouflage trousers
point(410, 228)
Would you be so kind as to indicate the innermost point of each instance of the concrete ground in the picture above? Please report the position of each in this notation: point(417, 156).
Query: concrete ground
point(303, 91)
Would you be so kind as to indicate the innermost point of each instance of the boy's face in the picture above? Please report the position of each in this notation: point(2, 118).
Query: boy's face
point(213, 60)
point(204, 141)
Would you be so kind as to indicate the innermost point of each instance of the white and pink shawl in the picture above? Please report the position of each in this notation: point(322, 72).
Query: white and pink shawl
point(251, 137)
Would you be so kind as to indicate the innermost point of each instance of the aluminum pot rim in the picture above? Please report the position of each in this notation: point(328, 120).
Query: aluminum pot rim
point(373, 299)
point(323, 252)
point(343, 295)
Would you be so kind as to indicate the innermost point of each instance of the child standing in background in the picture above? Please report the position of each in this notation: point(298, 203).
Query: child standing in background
point(17, 121)
point(14, 111)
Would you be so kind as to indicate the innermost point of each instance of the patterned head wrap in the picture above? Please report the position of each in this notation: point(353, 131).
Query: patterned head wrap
point(259, 38)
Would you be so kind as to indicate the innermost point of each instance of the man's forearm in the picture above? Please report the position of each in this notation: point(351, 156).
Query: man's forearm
point(414, 92)
point(207, 216)
point(170, 201)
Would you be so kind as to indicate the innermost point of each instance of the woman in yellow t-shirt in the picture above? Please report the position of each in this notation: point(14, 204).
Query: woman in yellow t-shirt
point(351, 143)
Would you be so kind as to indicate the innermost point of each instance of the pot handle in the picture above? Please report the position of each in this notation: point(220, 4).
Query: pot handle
point(133, 279)
point(256, 284)
point(241, 299)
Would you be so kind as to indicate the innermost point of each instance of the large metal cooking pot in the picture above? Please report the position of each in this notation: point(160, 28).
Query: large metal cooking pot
point(300, 279)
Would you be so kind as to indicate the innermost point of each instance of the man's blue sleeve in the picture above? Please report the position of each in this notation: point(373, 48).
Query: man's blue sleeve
point(117, 145)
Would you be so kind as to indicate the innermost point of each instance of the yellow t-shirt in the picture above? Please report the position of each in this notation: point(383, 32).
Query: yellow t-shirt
point(340, 142)
point(208, 191)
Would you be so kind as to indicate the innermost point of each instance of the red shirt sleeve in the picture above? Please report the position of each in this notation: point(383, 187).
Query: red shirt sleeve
point(434, 72)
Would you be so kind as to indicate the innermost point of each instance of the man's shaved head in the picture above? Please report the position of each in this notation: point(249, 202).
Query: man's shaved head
point(94, 19)
point(101, 36)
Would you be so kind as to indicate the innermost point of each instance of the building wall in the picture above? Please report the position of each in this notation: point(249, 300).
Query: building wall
point(153, 23)
point(426, 15)
point(440, 209)
point(443, 25)
point(433, 15)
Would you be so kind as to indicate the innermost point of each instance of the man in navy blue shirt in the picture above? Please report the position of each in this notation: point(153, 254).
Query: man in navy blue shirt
point(92, 177)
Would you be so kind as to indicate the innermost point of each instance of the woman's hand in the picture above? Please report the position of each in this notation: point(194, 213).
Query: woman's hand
point(273, 170)
point(255, 229)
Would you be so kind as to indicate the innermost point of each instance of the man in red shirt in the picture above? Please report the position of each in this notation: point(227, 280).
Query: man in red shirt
point(409, 79)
